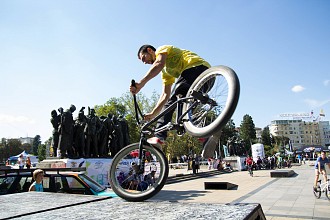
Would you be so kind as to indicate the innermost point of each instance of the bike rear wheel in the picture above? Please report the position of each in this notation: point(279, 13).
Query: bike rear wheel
point(130, 184)
point(221, 85)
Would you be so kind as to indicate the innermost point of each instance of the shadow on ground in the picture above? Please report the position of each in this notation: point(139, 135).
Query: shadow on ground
point(171, 195)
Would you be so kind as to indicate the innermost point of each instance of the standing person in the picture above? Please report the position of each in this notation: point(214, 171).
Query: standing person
point(197, 163)
point(176, 64)
point(20, 161)
point(38, 176)
point(209, 163)
point(299, 158)
point(193, 164)
point(320, 168)
point(28, 162)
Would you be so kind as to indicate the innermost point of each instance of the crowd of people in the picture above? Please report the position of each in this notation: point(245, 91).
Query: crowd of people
point(21, 162)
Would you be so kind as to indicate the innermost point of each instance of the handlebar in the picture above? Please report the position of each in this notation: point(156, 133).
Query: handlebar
point(136, 106)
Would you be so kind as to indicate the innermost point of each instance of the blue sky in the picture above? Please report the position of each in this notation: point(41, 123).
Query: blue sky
point(57, 53)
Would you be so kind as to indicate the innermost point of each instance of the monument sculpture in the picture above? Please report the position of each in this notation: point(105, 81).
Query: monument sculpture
point(92, 130)
point(88, 135)
point(79, 135)
point(66, 133)
point(55, 120)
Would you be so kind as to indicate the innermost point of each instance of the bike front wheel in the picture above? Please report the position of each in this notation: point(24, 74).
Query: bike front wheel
point(327, 191)
point(221, 86)
point(132, 184)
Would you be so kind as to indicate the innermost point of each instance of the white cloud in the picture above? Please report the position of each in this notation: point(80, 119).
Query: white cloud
point(316, 103)
point(297, 88)
point(326, 82)
point(15, 119)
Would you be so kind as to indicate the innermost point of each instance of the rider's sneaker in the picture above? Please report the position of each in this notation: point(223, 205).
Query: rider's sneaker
point(315, 188)
point(210, 145)
point(156, 141)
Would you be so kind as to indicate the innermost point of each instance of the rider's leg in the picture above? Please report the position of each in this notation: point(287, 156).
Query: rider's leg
point(324, 173)
point(181, 87)
point(316, 177)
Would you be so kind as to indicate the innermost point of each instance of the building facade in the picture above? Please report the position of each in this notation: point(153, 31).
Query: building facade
point(302, 133)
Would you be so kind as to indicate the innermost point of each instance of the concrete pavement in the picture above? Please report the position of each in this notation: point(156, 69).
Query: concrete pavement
point(280, 198)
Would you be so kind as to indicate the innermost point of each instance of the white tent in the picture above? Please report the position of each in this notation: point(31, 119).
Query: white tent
point(288, 152)
point(17, 156)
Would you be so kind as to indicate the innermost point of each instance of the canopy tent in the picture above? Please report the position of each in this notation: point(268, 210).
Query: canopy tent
point(288, 152)
point(17, 156)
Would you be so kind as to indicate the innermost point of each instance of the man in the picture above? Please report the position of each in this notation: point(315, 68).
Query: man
point(249, 163)
point(174, 64)
point(320, 168)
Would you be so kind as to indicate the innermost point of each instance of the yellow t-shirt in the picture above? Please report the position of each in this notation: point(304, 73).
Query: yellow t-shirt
point(177, 61)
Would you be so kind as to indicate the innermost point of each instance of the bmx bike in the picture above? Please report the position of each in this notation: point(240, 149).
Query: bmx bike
point(250, 170)
point(322, 187)
point(140, 170)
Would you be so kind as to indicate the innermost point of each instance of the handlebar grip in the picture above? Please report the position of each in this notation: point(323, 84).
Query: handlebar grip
point(133, 83)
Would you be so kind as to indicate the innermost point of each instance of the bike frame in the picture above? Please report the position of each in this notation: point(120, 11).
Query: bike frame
point(323, 186)
point(145, 129)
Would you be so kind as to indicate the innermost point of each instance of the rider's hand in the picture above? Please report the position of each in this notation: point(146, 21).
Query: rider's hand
point(135, 89)
point(149, 116)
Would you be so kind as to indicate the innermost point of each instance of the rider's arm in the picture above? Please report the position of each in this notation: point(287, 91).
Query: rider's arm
point(161, 102)
point(154, 70)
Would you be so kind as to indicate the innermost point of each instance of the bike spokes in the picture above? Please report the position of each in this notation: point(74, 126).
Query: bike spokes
point(129, 181)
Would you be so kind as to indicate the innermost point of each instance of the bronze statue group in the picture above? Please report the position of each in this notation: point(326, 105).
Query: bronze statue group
point(87, 136)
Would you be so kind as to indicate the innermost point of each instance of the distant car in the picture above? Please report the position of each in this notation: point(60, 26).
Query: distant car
point(57, 180)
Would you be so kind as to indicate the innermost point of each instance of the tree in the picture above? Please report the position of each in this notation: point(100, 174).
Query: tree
point(112, 106)
point(247, 131)
point(27, 147)
point(125, 106)
point(265, 136)
point(35, 144)
point(41, 152)
point(181, 145)
point(10, 147)
point(228, 131)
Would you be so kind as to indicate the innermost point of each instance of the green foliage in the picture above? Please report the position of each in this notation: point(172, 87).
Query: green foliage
point(182, 145)
point(265, 136)
point(27, 147)
point(125, 106)
point(42, 152)
point(113, 106)
point(270, 150)
point(247, 131)
point(9, 148)
point(228, 132)
point(35, 144)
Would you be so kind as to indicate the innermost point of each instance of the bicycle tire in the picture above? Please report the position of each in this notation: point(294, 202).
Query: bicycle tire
point(123, 162)
point(317, 194)
point(221, 84)
point(327, 191)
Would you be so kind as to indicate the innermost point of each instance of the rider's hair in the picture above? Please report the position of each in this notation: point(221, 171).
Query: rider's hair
point(144, 48)
point(36, 173)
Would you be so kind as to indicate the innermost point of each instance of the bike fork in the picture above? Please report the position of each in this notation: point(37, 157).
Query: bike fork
point(141, 155)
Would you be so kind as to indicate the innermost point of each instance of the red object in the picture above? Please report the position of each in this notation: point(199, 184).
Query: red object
point(135, 153)
point(201, 139)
